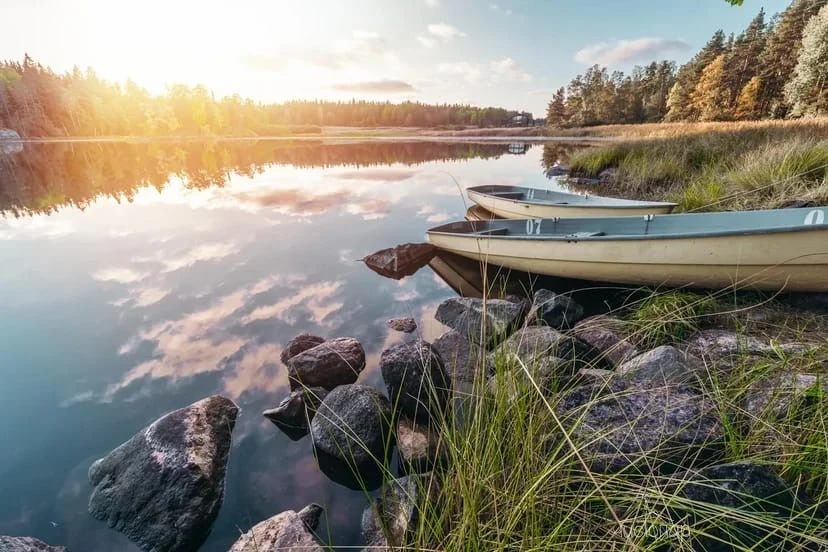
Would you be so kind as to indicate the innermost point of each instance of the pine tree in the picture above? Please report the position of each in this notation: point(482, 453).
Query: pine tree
point(711, 98)
point(741, 66)
point(807, 91)
point(679, 101)
point(747, 104)
point(781, 54)
point(556, 114)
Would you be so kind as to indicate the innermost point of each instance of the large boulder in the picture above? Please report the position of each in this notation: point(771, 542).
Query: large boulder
point(760, 501)
point(26, 544)
point(419, 446)
point(289, 531)
point(10, 143)
point(463, 359)
point(558, 311)
point(662, 365)
point(400, 261)
point(294, 413)
point(393, 514)
point(482, 322)
point(603, 333)
point(719, 344)
point(352, 436)
point(417, 383)
point(619, 426)
point(164, 487)
point(330, 364)
point(535, 342)
point(776, 397)
point(299, 344)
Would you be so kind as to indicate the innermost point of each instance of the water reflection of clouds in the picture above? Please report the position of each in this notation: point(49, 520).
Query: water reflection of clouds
point(379, 175)
point(119, 275)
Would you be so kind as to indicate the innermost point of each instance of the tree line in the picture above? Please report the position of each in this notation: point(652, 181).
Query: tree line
point(770, 70)
point(38, 102)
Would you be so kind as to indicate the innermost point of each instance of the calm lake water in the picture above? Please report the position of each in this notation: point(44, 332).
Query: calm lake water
point(137, 279)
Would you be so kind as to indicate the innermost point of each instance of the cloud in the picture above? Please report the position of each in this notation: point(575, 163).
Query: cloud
point(445, 31)
point(385, 86)
point(200, 253)
point(626, 51)
point(496, 71)
point(371, 209)
point(378, 175)
point(119, 275)
point(427, 41)
point(149, 296)
point(360, 48)
point(510, 70)
point(504, 11)
point(432, 3)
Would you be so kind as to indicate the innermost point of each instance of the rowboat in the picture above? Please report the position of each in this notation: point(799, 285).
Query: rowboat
point(783, 249)
point(476, 212)
point(518, 202)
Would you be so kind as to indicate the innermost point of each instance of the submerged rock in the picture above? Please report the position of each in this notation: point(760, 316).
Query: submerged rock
point(717, 344)
point(289, 531)
point(602, 332)
point(404, 325)
point(419, 446)
point(618, 425)
point(299, 344)
point(471, 317)
point(330, 364)
point(391, 516)
point(164, 487)
point(551, 309)
point(662, 365)
point(400, 261)
point(417, 383)
point(294, 413)
point(26, 544)
point(352, 436)
point(462, 359)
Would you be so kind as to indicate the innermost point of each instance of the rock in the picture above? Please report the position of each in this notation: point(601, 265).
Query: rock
point(388, 520)
point(462, 359)
point(602, 332)
point(664, 364)
point(352, 436)
point(405, 325)
point(400, 261)
point(289, 531)
point(26, 544)
point(534, 342)
point(10, 142)
point(470, 316)
point(419, 446)
point(593, 376)
point(779, 395)
point(551, 309)
point(417, 383)
point(750, 490)
point(718, 344)
point(164, 487)
point(618, 425)
point(328, 365)
point(299, 344)
point(294, 413)
point(548, 374)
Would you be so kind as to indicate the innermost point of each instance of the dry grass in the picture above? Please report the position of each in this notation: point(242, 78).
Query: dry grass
point(813, 127)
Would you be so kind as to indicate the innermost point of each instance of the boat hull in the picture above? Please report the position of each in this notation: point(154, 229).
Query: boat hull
point(768, 261)
point(587, 207)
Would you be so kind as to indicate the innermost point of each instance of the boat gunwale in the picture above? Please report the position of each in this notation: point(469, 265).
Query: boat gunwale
point(621, 205)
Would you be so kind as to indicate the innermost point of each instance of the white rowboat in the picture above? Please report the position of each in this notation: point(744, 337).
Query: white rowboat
point(518, 202)
point(784, 249)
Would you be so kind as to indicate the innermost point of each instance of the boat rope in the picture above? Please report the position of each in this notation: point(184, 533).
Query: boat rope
point(759, 189)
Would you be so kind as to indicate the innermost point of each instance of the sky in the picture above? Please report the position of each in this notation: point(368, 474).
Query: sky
point(509, 53)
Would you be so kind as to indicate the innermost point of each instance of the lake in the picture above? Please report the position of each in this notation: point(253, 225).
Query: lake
point(139, 278)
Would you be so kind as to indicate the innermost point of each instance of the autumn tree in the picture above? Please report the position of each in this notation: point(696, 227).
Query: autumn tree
point(556, 114)
point(679, 103)
point(710, 99)
point(747, 103)
point(807, 91)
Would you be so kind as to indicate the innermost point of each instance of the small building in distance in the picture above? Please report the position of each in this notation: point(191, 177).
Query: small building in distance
point(522, 119)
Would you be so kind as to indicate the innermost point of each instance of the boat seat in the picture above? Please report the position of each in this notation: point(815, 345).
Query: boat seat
point(493, 232)
point(508, 195)
point(578, 235)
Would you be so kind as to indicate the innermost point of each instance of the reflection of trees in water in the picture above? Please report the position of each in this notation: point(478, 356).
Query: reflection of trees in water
point(48, 176)
point(554, 152)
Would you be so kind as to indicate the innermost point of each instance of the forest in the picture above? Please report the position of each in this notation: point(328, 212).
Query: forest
point(37, 102)
point(772, 70)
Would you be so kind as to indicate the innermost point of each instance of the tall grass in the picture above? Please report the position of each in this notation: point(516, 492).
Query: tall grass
point(726, 166)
